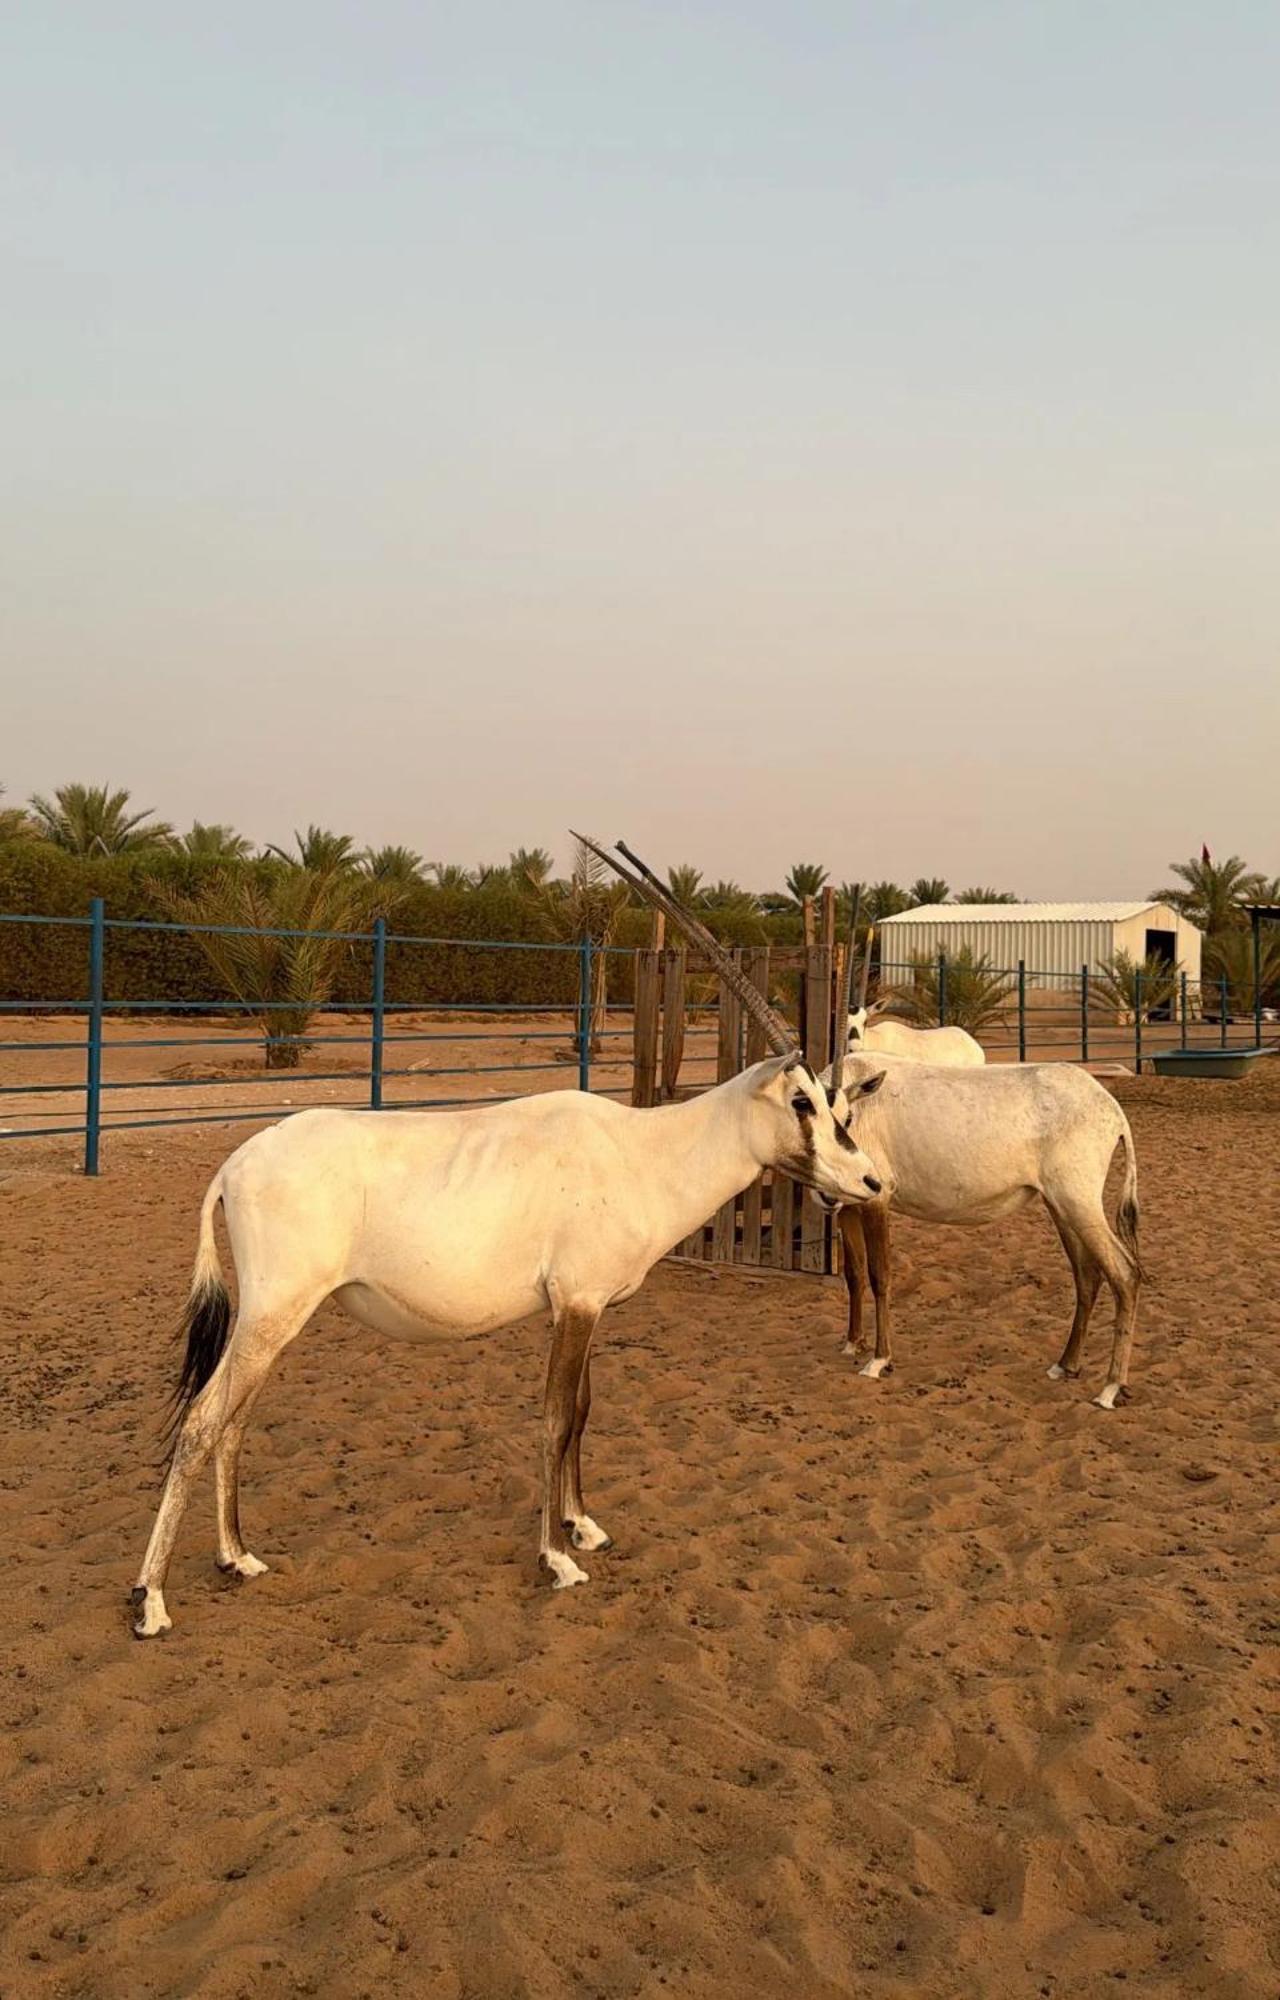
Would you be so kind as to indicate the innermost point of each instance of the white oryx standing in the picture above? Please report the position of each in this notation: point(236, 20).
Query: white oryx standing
point(453, 1224)
point(970, 1145)
point(873, 1032)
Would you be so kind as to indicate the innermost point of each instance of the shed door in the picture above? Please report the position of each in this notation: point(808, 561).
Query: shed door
point(1162, 945)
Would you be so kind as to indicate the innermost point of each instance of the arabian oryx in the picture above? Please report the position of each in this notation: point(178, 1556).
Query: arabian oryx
point(971, 1145)
point(871, 1032)
point(454, 1224)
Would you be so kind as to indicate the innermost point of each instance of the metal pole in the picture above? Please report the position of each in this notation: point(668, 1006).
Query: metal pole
point(378, 1016)
point(1222, 1010)
point(1137, 1022)
point(1183, 1007)
point(584, 1014)
point(1257, 980)
point(93, 1063)
point(1022, 1010)
point(1084, 1013)
point(942, 989)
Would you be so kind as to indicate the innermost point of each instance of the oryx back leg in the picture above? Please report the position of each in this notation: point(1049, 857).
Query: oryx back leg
point(854, 1248)
point(570, 1344)
point(875, 1227)
point(1089, 1222)
point(1087, 1273)
point(583, 1532)
point(258, 1338)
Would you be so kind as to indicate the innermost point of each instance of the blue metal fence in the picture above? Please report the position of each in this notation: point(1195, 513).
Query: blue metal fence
point(382, 1043)
point(1035, 1016)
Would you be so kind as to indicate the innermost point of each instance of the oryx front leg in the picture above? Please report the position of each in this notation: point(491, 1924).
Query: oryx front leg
point(570, 1345)
point(875, 1229)
point(854, 1246)
point(583, 1532)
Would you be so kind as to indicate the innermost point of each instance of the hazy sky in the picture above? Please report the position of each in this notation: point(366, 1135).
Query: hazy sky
point(842, 431)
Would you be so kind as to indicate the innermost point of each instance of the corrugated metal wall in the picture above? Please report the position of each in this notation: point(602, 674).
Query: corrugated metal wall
point(1050, 947)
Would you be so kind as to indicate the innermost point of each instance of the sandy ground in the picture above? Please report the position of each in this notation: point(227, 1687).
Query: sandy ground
point(951, 1685)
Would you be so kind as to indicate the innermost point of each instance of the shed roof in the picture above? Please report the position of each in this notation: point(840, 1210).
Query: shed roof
point(1026, 913)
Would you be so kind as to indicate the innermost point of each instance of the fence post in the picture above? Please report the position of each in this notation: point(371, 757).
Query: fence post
point(942, 989)
point(1084, 1012)
point(584, 1014)
point(1022, 1010)
point(93, 1062)
point(1257, 981)
point(379, 1012)
point(1137, 1022)
point(1182, 1002)
point(1222, 1011)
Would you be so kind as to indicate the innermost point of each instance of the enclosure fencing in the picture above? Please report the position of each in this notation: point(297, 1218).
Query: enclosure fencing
point(647, 1026)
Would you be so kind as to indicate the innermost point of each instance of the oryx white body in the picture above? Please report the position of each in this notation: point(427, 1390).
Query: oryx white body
point(968, 1145)
point(881, 1035)
point(434, 1226)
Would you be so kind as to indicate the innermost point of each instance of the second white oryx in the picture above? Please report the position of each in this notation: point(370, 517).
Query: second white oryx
point(453, 1224)
point(970, 1145)
point(871, 1031)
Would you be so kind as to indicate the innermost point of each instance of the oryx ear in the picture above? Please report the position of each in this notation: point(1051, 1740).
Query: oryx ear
point(772, 1069)
point(871, 1084)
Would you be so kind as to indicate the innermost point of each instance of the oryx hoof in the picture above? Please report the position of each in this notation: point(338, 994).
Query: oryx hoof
point(878, 1365)
point(588, 1534)
point(852, 1347)
point(152, 1620)
point(1112, 1396)
point(243, 1566)
point(564, 1570)
point(1060, 1374)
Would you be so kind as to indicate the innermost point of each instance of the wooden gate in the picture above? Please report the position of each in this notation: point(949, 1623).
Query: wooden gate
point(679, 1005)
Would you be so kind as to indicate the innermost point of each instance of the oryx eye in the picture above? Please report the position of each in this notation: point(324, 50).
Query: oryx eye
point(802, 1107)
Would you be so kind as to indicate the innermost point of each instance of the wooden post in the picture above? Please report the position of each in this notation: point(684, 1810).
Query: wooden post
point(755, 965)
point(728, 1063)
point(810, 930)
point(657, 929)
point(644, 1058)
point(814, 1227)
point(828, 937)
point(672, 1021)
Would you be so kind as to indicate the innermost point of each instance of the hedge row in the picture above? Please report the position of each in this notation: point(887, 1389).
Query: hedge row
point(44, 963)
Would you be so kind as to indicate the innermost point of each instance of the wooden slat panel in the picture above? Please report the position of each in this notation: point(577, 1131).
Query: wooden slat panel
point(755, 964)
point(814, 1225)
point(672, 1020)
point(728, 1063)
point(782, 1199)
point(644, 1061)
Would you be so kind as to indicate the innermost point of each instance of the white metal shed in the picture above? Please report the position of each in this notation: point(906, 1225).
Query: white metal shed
point(1052, 939)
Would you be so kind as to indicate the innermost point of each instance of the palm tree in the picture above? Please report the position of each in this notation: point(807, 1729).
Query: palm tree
point(215, 843)
point(976, 992)
point(92, 819)
point(489, 874)
point(399, 866)
point(15, 824)
point(588, 908)
point(984, 895)
point(805, 878)
point(685, 884)
point(319, 850)
point(1266, 890)
point(1120, 985)
point(530, 867)
point(929, 889)
point(1212, 892)
point(286, 978)
point(884, 899)
point(1229, 955)
point(449, 875)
